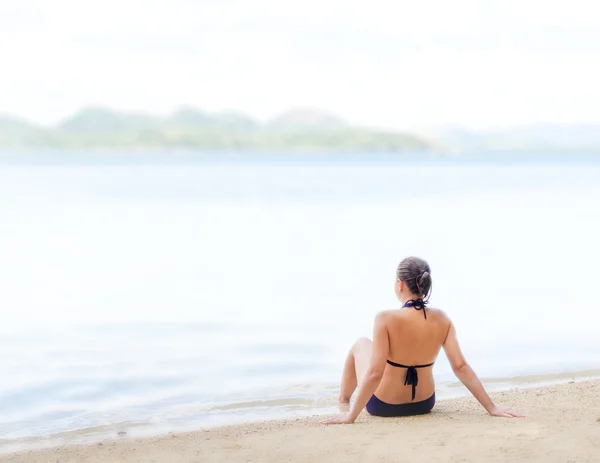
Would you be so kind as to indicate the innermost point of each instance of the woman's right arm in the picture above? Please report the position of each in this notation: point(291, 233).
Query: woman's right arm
point(467, 376)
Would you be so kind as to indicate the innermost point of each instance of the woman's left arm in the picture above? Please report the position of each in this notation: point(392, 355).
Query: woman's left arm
point(381, 349)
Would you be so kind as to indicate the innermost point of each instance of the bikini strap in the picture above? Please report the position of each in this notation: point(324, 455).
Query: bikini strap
point(412, 377)
point(399, 365)
point(417, 304)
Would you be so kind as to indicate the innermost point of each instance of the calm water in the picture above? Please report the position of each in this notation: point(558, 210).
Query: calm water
point(163, 292)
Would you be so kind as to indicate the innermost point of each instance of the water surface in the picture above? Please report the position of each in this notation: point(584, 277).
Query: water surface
point(157, 292)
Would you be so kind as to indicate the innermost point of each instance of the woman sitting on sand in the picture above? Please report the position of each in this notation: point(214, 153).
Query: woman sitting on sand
point(395, 369)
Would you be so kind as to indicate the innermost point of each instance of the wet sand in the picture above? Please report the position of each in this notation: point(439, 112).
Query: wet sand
point(562, 424)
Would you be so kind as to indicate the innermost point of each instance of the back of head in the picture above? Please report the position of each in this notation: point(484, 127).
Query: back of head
point(416, 274)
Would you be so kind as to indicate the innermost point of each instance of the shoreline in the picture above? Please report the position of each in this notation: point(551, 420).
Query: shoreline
point(241, 412)
point(570, 408)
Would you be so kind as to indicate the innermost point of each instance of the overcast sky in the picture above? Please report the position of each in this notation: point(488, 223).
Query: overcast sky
point(393, 63)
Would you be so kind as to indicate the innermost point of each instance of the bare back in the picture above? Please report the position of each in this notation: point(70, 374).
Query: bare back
point(413, 340)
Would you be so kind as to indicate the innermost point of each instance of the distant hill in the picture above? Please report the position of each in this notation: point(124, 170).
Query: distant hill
point(301, 129)
point(194, 118)
point(307, 119)
point(105, 120)
point(536, 137)
point(15, 131)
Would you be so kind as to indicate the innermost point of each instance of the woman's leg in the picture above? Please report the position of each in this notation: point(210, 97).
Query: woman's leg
point(355, 368)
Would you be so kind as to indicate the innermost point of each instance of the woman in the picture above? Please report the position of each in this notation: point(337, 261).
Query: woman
point(395, 370)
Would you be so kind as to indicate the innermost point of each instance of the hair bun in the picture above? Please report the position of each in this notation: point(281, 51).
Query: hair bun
point(415, 273)
point(424, 282)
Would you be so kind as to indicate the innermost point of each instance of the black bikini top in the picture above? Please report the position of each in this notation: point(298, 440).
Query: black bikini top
point(412, 377)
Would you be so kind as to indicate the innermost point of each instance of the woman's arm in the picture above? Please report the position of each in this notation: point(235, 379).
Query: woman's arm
point(368, 385)
point(467, 376)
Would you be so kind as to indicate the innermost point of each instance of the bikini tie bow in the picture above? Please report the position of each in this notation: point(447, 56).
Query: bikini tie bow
point(417, 304)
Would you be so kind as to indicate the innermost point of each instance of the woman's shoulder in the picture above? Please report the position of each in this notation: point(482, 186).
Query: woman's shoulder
point(439, 313)
point(395, 314)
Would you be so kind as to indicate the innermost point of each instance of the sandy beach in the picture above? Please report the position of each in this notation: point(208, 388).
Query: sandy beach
point(562, 424)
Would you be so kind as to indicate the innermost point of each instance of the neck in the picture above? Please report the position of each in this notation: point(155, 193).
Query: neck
point(409, 297)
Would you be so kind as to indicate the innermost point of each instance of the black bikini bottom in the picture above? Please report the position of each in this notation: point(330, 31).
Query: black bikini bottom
point(378, 408)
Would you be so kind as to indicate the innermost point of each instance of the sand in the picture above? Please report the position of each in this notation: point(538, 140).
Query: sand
point(562, 425)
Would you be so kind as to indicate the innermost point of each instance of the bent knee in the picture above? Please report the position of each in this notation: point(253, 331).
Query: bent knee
point(362, 343)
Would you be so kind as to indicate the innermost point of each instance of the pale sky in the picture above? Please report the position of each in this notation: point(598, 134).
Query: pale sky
point(392, 63)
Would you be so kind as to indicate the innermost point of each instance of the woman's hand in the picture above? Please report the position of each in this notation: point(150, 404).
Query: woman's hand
point(340, 419)
point(505, 412)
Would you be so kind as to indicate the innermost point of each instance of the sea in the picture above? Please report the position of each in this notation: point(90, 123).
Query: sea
point(146, 292)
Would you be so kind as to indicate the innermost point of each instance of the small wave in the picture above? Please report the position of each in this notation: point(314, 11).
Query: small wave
point(284, 402)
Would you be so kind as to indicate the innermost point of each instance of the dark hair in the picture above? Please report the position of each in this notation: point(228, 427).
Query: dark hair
point(416, 273)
